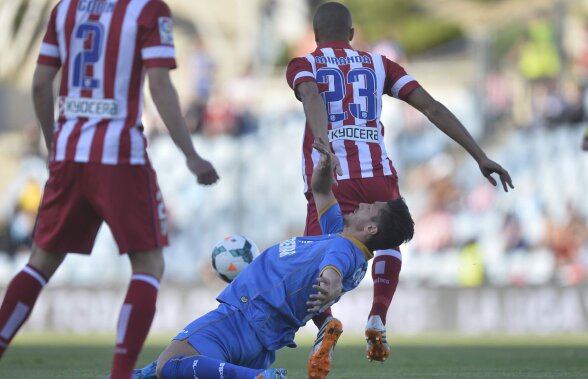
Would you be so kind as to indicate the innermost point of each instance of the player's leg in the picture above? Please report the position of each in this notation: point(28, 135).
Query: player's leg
point(128, 199)
point(23, 291)
point(203, 367)
point(65, 223)
point(386, 267)
point(221, 341)
point(321, 357)
point(137, 311)
point(385, 275)
point(180, 360)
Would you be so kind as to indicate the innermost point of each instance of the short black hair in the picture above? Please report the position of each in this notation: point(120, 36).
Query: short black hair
point(395, 226)
point(333, 21)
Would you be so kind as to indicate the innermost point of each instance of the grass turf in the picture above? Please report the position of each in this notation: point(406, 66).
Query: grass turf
point(433, 356)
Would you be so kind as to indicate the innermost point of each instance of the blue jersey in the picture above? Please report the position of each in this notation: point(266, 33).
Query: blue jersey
point(273, 290)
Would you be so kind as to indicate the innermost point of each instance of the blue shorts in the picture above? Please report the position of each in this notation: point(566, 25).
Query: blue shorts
point(225, 334)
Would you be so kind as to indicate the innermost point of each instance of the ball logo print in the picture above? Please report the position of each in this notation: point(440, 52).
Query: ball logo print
point(231, 255)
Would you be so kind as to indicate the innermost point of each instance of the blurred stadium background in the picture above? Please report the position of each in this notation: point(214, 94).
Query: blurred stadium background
point(482, 261)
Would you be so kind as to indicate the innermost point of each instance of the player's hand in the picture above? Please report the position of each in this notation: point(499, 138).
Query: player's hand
point(328, 158)
point(489, 167)
point(327, 292)
point(203, 169)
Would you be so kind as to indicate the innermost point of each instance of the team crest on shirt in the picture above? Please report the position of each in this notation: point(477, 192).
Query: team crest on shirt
point(359, 274)
point(166, 26)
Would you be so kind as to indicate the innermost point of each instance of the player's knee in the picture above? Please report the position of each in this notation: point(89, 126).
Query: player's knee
point(148, 262)
point(46, 262)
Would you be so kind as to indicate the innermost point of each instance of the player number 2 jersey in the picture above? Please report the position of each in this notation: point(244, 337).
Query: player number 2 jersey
point(103, 48)
point(351, 83)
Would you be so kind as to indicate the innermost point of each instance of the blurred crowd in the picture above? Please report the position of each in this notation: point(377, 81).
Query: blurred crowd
point(212, 108)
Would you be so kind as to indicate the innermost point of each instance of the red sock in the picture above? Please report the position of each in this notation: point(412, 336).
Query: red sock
point(320, 319)
point(385, 274)
point(20, 297)
point(134, 322)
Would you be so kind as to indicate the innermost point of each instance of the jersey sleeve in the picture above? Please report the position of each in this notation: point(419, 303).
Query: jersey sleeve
point(331, 218)
point(398, 83)
point(49, 51)
point(338, 258)
point(156, 39)
point(299, 71)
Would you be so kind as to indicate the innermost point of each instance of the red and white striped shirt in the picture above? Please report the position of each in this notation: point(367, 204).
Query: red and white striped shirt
point(352, 84)
point(104, 47)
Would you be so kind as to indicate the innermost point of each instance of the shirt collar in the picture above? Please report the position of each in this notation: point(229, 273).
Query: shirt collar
point(361, 246)
point(334, 45)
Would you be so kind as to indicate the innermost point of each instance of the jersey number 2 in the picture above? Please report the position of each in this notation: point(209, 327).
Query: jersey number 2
point(337, 89)
point(91, 35)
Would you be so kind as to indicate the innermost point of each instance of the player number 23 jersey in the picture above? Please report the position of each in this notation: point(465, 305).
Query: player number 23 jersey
point(351, 83)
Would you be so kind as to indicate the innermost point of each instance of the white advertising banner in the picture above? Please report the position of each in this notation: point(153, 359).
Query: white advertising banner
point(482, 310)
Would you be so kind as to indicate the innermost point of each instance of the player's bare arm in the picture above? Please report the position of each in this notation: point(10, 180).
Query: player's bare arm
point(43, 99)
point(322, 179)
point(585, 141)
point(316, 116)
point(446, 121)
point(329, 287)
point(165, 98)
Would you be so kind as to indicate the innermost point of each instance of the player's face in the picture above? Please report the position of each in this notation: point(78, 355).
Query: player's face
point(364, 214)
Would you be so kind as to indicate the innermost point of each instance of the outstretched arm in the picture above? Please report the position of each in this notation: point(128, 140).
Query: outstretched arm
point(322, 179)
point(166, 100)
point(446, 121)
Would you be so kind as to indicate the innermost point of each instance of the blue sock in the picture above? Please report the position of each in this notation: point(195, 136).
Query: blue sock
point(192, 366)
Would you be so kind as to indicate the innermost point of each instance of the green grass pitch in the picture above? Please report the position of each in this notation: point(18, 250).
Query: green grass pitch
point(50, 356)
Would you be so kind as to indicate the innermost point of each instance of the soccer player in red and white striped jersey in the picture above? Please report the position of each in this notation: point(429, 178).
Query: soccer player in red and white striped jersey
point(341, 90)
point(98, 166)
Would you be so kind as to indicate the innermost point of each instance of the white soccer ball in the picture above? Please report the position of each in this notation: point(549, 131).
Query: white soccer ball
point(231, 255)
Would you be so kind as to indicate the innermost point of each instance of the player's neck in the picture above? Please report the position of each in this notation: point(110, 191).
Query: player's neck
point(352, 232)
point(327, 41)
point(359, 240)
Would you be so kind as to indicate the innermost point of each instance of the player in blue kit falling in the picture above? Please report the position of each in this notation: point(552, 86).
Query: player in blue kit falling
point(261, 310)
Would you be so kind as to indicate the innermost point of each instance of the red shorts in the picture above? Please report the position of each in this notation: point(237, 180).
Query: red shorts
point(79, 196)
point(350, 193)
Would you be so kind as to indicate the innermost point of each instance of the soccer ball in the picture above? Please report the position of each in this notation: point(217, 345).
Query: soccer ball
point(231, 255)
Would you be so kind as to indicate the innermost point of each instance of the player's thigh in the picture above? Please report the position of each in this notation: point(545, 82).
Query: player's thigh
point(349, 194)
point(174, 349)
point(225, 334)
point(66, 221)
point(128, 198)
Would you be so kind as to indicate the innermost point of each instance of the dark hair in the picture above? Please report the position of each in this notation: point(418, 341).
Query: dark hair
point(333, 21)
point(395, 226)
